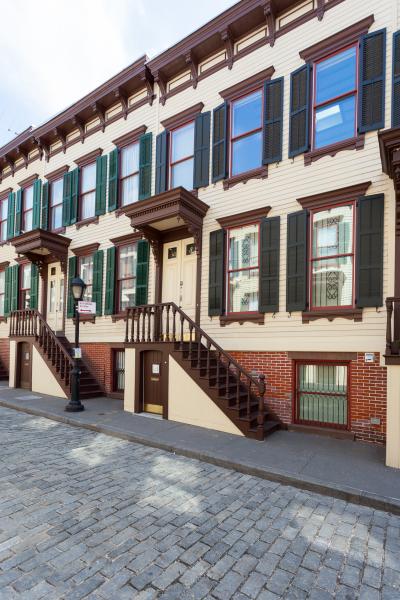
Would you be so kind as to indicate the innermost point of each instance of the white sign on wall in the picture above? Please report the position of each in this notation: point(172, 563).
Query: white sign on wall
point(86, 308)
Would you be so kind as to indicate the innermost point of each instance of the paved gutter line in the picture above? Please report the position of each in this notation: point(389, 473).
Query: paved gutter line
point(310, 484)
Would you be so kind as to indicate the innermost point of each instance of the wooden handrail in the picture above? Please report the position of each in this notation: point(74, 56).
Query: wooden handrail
point(30, 323)
point(392, 326)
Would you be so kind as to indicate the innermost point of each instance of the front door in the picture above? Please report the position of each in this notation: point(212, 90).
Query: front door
point(55, 297)
point(179, 275)
point(152, 389)
point(24, 365)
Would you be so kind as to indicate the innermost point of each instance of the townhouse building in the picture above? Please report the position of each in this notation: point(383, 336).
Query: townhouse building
point(232, 206)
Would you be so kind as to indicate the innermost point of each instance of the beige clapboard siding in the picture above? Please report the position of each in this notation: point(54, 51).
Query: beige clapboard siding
point(286, 182)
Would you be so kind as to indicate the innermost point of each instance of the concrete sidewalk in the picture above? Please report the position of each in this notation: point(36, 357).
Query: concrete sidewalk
point(353, 471)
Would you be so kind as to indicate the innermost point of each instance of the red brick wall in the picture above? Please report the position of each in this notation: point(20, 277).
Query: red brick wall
point(367, 390)
point(5, 352)
point(99, 359)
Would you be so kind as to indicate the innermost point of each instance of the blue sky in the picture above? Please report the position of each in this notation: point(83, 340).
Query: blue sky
point(52, 52)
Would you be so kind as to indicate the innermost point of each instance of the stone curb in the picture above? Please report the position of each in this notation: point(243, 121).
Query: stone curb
point(346, 493)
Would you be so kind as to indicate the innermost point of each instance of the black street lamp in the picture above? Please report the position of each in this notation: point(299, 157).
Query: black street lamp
point(77, 289)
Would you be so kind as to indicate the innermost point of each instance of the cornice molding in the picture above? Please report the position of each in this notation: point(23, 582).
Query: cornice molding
point(5, 193)
point(247, 85)
point(28, 180)
point(130, 238)
point(184, 116)
point(130, 137)
point(325, 199)
point(57, 173)
point(88, 158)
point(85, 250)
point(244, 218)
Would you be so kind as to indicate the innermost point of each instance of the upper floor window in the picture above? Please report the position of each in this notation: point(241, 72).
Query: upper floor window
point(56, 199)
point(27, 208)
point(246, 133)
point(126, 278)
point(332, 257)
point(182, 156)
point(335, 98)
point(2, 291)
point(88, 192)
point(86, 273)
point(25, 286)
point(243, 268)
point(129, 178)
point(3, 219)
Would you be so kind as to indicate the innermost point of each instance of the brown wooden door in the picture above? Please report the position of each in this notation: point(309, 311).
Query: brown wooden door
point(25, 365)
point(152, 372)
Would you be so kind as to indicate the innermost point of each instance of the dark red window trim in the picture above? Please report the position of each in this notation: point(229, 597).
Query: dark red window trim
point(232, 140)
point(228, 270)
point(118, 278)
point(296, 419)
point(348, 94)
point(52, 207)
point(120, 178)
point(311, 260)
point(87, 192)
point(181, 160)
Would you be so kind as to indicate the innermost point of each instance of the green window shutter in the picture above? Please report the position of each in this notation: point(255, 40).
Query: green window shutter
point(18, 212)
point(299, 139)
point(45, 205)
point(7, 291)
point(162, 162)
point(109, 307)
point(67, 190)
point(98, 260)
point(11, 215)
point(396, 81)
point(372, 81)
point(14, 287)
point(101, 183)
point(219, 143)
point(142, 272)
point(369, 257)
point(37, 196)
point(216, 274)
point(269, 264)
point(273, 121)
point(72, 272)
point(113, 180)
point(145, 154)
point(296, 265)
point(73, 214)
point(201, 174)
point(33, 303)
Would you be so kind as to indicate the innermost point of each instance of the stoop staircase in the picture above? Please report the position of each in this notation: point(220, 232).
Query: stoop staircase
point(55, 350)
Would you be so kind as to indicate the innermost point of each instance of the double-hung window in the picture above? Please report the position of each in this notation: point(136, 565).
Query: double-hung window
point(88, 191)
point(243, 269)
point(25, 286)
point(126, 281)
point(2, 291)
point(129, 178)
point(56, 199)
point(246, 133)
point(3, 219)
point(332, 257)
point(86, 273)
point(182, 156)
point(335, 98)
point(27, 208)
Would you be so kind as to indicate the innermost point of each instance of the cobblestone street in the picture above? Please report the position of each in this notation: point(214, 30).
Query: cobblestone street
point(83, 515)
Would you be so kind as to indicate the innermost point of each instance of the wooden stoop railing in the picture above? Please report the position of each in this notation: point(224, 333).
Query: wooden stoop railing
point(238, 393)
point(56, 351)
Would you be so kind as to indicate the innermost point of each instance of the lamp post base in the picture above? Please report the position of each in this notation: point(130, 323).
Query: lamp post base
point(74, 407)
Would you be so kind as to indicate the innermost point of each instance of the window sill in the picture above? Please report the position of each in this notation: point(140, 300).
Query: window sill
point(85, 319)
point(85, 222)
point(242, 318)
point(353, 314)
point(356, 143)
point(260, 173)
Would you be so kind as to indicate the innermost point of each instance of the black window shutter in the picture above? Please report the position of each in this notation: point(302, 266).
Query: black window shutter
point(296, 261)
point(45, 205)
point(7, 291)
point(369, 257)
point(299, 138)
point(269, 264)
point(372, 81)
point(98, 259)
point(216, 273)
point(66, 207)
point(18, 212)
point(34, 299)
point(37, 195)
point(113, 180)
point(219, 143)
point(145, 156)
point(396, 81)
point(142, 272)
point(109, 307)
point(101, 183)
point(201, 176)
point(74, 196)
point(161, 162)
point(14, 287)
point(11, 215)
point(273, 121)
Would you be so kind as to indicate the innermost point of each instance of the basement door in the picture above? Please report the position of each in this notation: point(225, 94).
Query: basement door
point(55, 297)
point(152, 384)
point(179, 275)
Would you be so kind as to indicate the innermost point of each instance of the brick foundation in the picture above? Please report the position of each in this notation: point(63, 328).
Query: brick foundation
point(5, 352)
point(367, 390)
point(99, 359)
